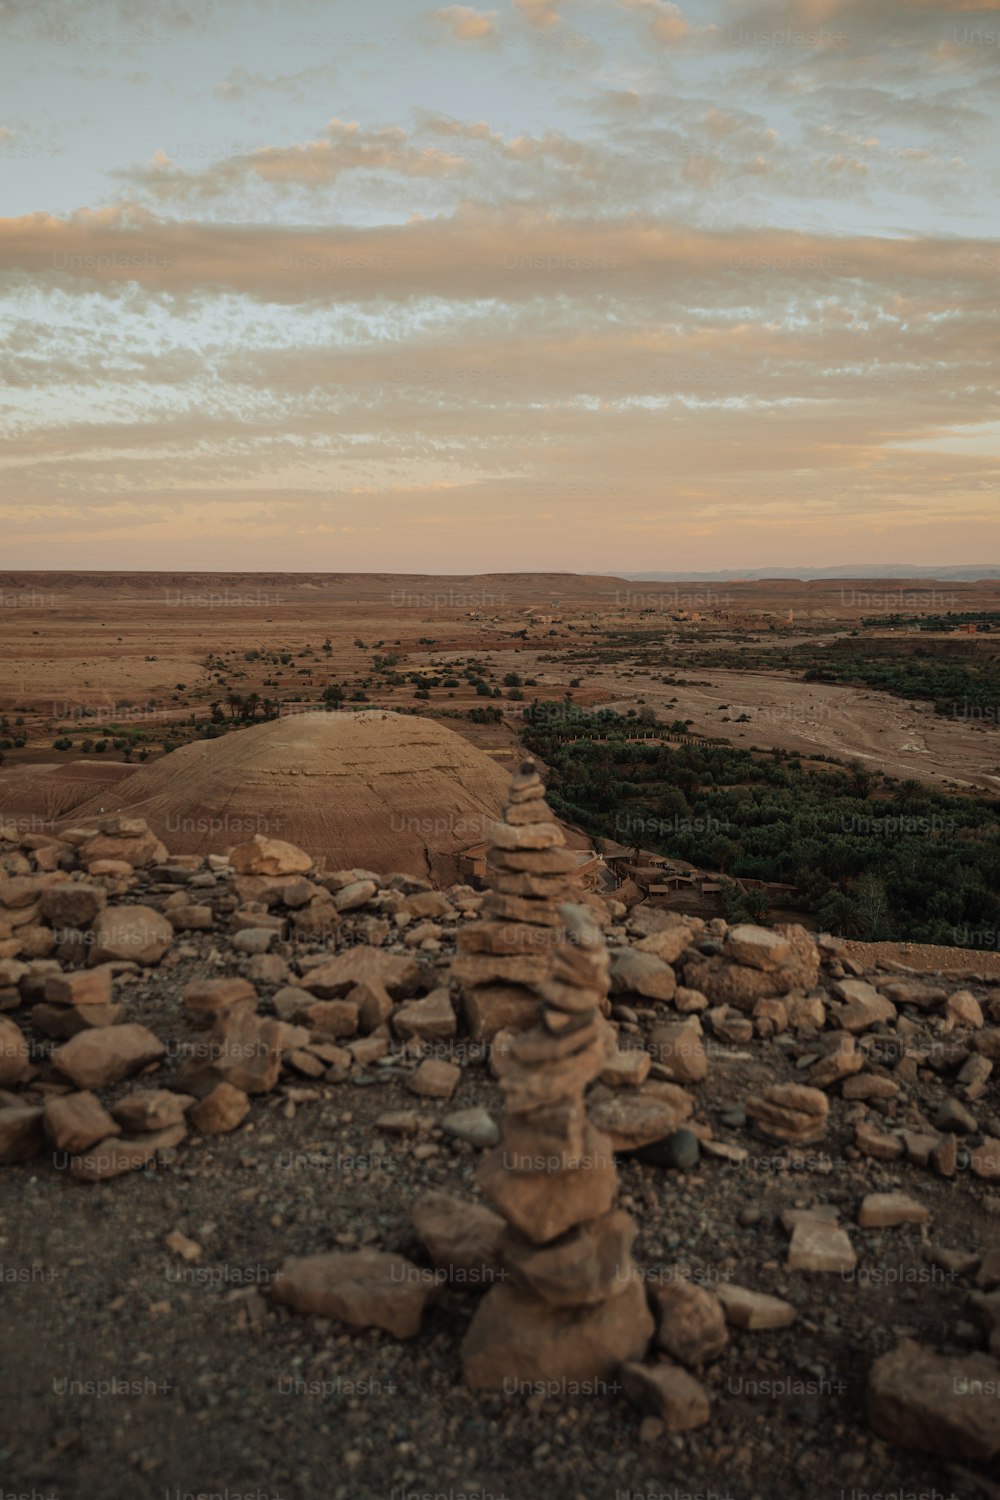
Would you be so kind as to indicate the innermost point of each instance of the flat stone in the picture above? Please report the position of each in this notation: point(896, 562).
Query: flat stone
point(588, 1264)
point(73, 903)
point(477, 1126)
point(364, 1288)
point(885, 1210)
point(667, 1392)
point(120, 1154)
point(941, 1404)
point(790, 1112)
point(461, 1237)
point(491, 1008)
point(839, 1062)
point(626, 1069)
point(632, 1119)
point(816, 1246)
point(93, 1059)
point(758, 947)
point(432, 1017)
point(399, 973)
point(73, 1122)
point(15, 1063)
point(242, 1049)
point(516, 1340)
point(332, 1018)
point(80, 987)
point(544, 1203)
point(877, 1143)
point(753, 1310)
point(264, 856)
point(638, 973)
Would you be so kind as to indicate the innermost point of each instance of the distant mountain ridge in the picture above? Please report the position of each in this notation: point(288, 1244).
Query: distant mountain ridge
point(965, 572)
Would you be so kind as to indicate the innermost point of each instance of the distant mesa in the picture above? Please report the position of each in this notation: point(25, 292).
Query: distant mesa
point(379, 790)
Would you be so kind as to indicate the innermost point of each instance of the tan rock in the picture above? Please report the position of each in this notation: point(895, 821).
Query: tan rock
point(220, 1111)
point(634, 1119)
point(941, 1404)
point(818, 1246)
point(73, 903)
point(690, 1322)
point(434, 1079)
point(516, 1340)
point(375, 1004)
point(136, 849)
point(332, 1018)
point(151, 1109)
point(72, 1122)
point(790, 1112)
point(118, 1155)
point(589, 1263)
point(135, 932)
point(461, 1238)
point(745, 1308)
point(679, 1051)
point(241, 1049)
point(877, 1143)
point(668, 1393)
point(80, 987)
point(399, 973)
point(15, 1062)
point(840, 1061)
point(885, 1210)
point(758, 947)
point(489, 1009)
point(964, 1009)
point(206, 999)
point(264, 856)
point(95, 1058)
point(984, 1160)
point(365, 1289)
point(429, 1018)
point(641, 973)
point(549, 1199)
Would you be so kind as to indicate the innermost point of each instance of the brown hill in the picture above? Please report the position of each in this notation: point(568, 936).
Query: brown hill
point(379, 790)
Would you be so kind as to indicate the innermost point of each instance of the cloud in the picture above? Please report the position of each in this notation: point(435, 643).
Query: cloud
point(667, 23)
point(467, 24)
point(240, 84)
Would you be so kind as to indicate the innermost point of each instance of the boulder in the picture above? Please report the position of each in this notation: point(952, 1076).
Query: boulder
point(264, 856)
point(135, 932)
point(73, 1122)
point(461, 1237)
point(941, 1404)
point(96, 1058)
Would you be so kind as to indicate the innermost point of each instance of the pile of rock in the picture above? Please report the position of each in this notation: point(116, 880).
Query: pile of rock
point(570, 1305)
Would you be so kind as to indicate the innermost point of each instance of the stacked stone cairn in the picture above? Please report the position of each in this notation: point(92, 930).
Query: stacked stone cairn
point(569, 1305)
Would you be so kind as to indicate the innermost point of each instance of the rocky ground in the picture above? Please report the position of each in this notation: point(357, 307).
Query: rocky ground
point(211, 1066)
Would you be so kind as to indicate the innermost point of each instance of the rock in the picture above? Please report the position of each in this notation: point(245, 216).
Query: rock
point(516, 1340)
point(758, 947)
point(264, 856)
point(748, 1309)
point(20, 1133)
point(632, 1119)
point(587, 1265)
point(885, 1210)
point(433, 1016)
point(336, 1018)
point(640, 973)
point(242, 1049)
point(550, 1198)
point(460, 1237)
point(865, 1006)
point(73, 1122)
point(817, 1246)
point(491, 1008)
point(984, 1160)
point(15, 1063)
point(678, 1050)
point(399, 973)
point(841, 1060)
point(953, 1116)
point(877, 1143)
point(668, 1393)
point(434, 1079)
point(135, 932)
point(626, 1069)
point(357, 893)
point(679, 1151)
point(964, 1009)
point(941, 1404)
point(80, 987)
point(220, 1111)
point(136, 848)
point(74, 903)
point(181, 1245)
point(374, 1003)
point(207, 999)
point(790, 1112)
point(364, 1288)
point(869, 1086)
point(477, 1126)
point(691, 1323)
point(96, 1058)
point(115, 1156)
point(151, 1109)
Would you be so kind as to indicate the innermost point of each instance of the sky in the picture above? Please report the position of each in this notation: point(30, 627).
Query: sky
point(574, 285)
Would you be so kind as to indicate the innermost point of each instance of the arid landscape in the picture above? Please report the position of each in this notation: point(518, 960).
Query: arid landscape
point(499, 750)
point(261, 1027)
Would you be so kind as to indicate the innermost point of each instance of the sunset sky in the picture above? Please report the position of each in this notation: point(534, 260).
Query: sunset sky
point(566, 284)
